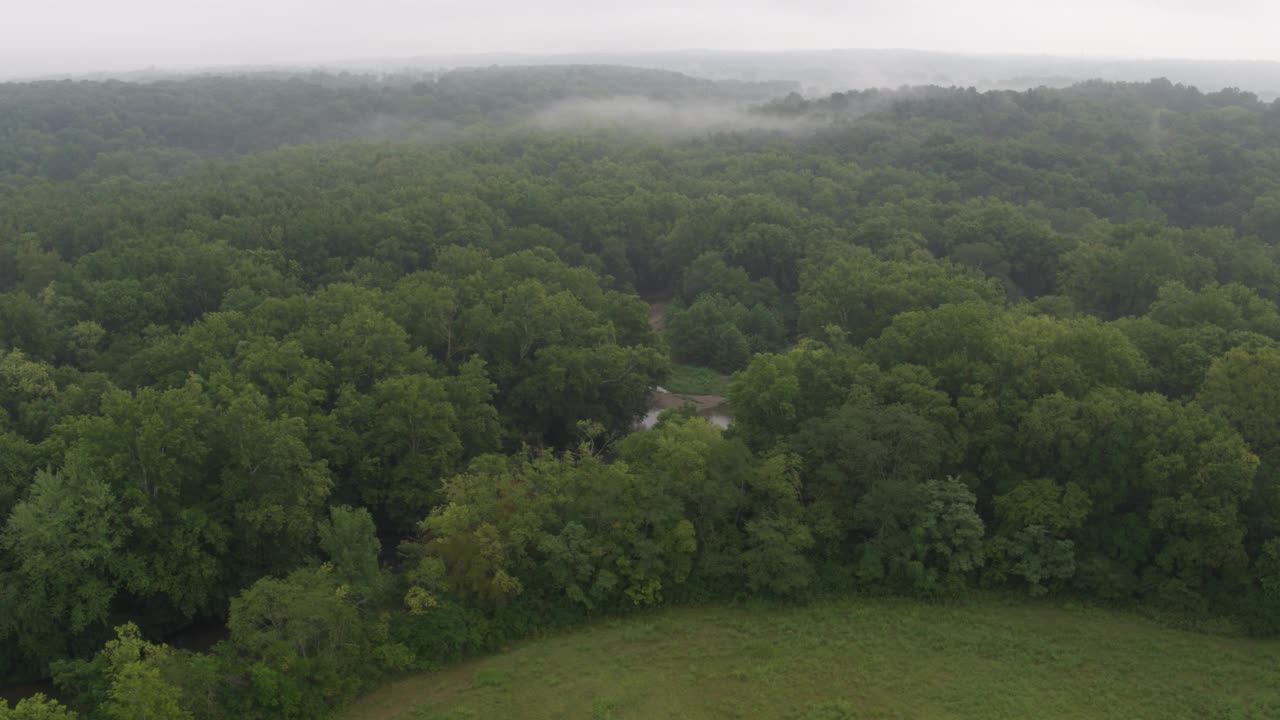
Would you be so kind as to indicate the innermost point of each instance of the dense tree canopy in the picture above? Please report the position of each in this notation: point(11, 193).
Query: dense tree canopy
point(350, 368)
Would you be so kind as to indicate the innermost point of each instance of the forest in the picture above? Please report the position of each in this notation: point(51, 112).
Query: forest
point(310, 380)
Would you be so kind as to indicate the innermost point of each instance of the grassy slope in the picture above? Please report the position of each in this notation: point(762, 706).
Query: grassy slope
point(693, 380)
point(855, 659)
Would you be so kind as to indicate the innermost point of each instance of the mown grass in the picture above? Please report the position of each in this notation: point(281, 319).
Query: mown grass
point(860, 658)
point(694, 380)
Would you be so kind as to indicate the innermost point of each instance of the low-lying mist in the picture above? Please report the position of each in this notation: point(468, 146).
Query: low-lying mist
point(661, 118)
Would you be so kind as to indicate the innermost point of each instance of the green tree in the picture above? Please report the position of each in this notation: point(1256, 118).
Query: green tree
point(65, 541)
point(350, 540)
point(861, 294)
point(477, 545)
point(1242, 387)
point(152, 449)
point(1165, 481)
point(36, 707)
point(139, 688)
point(778, 541)
point(920, 537)
point(1035, 518)
point(305, 643)
point(1022, 250)
point(269, 487)
point(397, 443)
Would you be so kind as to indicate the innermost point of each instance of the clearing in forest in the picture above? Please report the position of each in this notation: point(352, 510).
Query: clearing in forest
point(858, 658)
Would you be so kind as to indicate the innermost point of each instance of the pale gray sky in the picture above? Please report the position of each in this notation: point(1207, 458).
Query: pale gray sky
point(39, 36)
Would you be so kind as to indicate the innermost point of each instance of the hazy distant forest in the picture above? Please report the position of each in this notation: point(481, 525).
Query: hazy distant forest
point(309, 380)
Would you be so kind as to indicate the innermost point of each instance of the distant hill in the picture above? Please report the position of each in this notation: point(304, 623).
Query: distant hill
point(817, 71)
point(830, 70)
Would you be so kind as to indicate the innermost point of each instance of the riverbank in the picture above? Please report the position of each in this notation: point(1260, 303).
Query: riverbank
point(712, 407)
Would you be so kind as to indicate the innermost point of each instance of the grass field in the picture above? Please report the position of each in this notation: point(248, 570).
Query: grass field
point(854, 659)
point(693, 380)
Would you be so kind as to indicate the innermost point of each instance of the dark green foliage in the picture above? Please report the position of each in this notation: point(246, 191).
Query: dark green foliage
point(860, 294)
point(447, 633)
point(1033, 554)
point(721, 334)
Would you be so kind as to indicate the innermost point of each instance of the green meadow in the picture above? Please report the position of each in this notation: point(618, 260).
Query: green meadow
point(860, 658)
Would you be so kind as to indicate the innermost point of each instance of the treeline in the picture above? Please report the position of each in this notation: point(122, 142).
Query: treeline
point(370, 406)
point(62, 129)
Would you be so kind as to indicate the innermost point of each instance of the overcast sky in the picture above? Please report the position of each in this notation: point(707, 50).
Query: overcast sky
point(84, 35)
